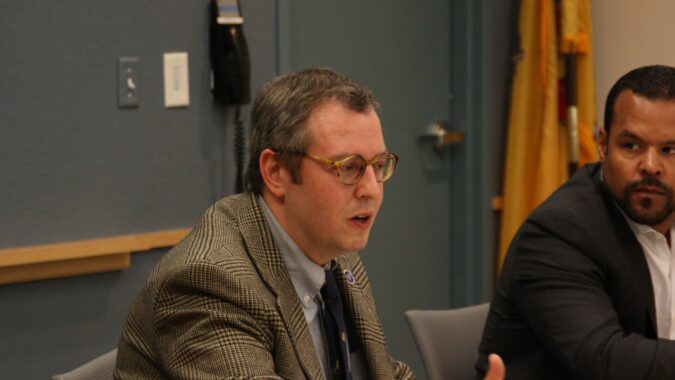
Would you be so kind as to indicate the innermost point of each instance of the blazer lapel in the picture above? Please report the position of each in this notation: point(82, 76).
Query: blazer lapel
point(272, 269)
point(638, 265)
point(362, 317)
point(632, 251)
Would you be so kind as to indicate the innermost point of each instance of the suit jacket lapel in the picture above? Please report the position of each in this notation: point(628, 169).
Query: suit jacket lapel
point(362, 317)
point(272, 269)
point(632, 251)
point(637, 261)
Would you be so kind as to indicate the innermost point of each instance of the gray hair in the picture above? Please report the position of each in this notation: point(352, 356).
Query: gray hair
point(283, 105)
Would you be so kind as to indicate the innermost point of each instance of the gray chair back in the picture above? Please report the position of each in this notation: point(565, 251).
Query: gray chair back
point(100, 368)
point(447, 340)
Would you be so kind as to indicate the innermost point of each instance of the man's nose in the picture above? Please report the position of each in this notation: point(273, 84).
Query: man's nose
point(651, 162)
point(368, 185)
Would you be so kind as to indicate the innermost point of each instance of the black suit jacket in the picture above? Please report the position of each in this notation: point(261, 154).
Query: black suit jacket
point(575, 298)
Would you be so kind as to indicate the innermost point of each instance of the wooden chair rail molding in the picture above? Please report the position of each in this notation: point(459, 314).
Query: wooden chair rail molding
point(41, 262)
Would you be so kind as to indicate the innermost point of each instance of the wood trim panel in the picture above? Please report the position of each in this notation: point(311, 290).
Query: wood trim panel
point(66, 259)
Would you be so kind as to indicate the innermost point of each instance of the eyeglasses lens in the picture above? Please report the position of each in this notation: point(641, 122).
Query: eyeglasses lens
point(352, 170)
point(383, 165)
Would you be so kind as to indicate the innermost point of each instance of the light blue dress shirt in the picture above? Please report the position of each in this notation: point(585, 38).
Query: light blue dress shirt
point(308, 278)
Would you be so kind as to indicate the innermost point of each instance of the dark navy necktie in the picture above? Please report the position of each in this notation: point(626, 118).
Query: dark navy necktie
point(335, 329)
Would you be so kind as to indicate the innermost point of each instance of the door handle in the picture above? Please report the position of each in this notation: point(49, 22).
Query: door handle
point(438, 135)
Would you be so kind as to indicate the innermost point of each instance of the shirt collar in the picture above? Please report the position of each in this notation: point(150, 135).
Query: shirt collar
point(638, 229)
point(307, 276)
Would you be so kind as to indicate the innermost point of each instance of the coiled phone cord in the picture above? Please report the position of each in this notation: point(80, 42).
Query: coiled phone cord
point(239, 149)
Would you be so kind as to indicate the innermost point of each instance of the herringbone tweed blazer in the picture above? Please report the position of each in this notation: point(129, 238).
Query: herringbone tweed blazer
point(221, 305)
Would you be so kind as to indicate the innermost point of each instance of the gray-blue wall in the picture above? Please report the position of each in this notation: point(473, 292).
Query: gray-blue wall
point(75, 166)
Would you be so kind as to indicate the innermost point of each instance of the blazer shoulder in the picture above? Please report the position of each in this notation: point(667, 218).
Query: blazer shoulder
point(581, 200)
point(582, 216)
point(222, 225)
point(218, 238)
point(579, 214)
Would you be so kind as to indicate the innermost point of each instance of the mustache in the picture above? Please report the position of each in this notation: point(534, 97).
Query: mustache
point(648, 181)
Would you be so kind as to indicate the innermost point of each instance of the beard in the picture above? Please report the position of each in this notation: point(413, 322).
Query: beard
point(647, 210)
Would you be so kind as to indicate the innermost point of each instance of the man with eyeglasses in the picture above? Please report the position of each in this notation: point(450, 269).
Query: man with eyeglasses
point(268, 284)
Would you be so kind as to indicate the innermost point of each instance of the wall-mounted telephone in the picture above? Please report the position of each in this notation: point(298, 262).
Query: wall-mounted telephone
point(230, 61)
point(231, 69)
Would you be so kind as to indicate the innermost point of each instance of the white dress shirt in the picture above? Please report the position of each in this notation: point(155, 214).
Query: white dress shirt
point(661, 262)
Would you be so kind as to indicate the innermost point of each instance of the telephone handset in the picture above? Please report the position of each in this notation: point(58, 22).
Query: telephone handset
point(231, 67)
point(230, 61)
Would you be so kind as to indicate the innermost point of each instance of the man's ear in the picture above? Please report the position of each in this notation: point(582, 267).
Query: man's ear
point(602, 143)
point(272, 172)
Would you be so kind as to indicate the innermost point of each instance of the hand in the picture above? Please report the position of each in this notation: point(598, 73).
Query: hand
point(496, 369)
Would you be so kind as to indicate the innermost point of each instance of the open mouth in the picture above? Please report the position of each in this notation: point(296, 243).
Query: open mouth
point(361, 219)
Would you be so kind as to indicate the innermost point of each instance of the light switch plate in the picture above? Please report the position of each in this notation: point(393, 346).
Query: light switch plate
point(127, 82)
point(176, 81)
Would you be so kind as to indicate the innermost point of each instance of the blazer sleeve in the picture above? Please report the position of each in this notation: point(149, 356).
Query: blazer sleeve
point(563, 294)
point(211, 324)
point(402, 371)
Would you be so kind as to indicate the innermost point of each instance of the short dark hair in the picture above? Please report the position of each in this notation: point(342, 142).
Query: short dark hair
point(656, 82)
point(283, 105)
